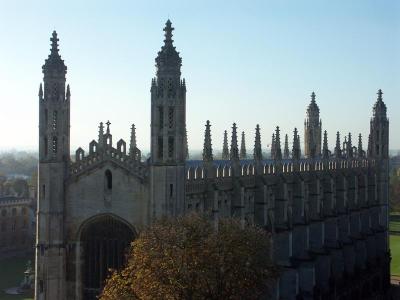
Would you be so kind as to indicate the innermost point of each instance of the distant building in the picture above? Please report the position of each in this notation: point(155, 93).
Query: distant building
point(327, 212)
point(17, 226)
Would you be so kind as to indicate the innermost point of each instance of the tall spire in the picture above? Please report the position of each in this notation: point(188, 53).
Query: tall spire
point(243, 153)
point(54, 65)
point(132, 144)
point(338, 150)
point(278, 151)
point(234, 152)
point(325, 150)
point(207, 149)
point(286, 148)
point(225, 149)
point(360, 151)
point(296, 151)
point(257, 144)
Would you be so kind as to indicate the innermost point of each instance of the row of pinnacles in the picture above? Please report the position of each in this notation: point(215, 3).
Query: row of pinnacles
point(235, 161)
point(102, 150)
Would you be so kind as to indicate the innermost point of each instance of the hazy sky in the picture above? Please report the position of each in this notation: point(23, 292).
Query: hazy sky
point(247, 62)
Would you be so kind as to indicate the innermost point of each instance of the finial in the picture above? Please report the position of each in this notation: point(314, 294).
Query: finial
point(40, 91)
point(54, 43)
point(380, 93)
point(234, 153)
point(312, 97)
point(168, 33)
point(108, 123)
point(257, 145)
point(207, 148)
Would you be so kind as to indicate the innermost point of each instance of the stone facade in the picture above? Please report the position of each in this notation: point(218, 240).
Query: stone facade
point(327, 211)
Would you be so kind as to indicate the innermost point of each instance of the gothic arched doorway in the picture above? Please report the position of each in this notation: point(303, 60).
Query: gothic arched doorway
point(105, 241)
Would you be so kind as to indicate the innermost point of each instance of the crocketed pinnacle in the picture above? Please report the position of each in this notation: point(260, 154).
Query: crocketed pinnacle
point(296, 151)
point(257, 144)
point(225, 149)
point(278, 150)
point(101, 134)
point(286, 148)
point(207, 148)
point(132, 144)
point(234, 152)
point(360, 146)
point(243, 153)
point(338, 150)
point(349, 146)
point(54, 65)
point(325, 150)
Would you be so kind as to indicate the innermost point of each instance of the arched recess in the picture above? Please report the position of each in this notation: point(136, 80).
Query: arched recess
point(104, 240)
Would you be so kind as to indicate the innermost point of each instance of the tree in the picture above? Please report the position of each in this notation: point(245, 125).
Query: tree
point(187, 258)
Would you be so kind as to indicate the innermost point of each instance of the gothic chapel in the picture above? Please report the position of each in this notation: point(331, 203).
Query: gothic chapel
point(327, 210)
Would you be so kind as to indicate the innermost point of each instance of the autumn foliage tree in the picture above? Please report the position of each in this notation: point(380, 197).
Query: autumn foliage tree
point(189, 258)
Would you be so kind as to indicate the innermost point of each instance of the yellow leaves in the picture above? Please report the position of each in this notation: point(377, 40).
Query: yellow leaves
point(185, 258)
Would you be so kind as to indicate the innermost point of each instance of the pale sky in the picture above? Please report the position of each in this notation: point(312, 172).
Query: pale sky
point(247, 62)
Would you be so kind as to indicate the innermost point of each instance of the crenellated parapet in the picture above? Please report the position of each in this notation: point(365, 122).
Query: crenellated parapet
point(103, 150)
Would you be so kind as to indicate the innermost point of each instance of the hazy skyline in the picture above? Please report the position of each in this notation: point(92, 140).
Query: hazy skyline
point(244, 62)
